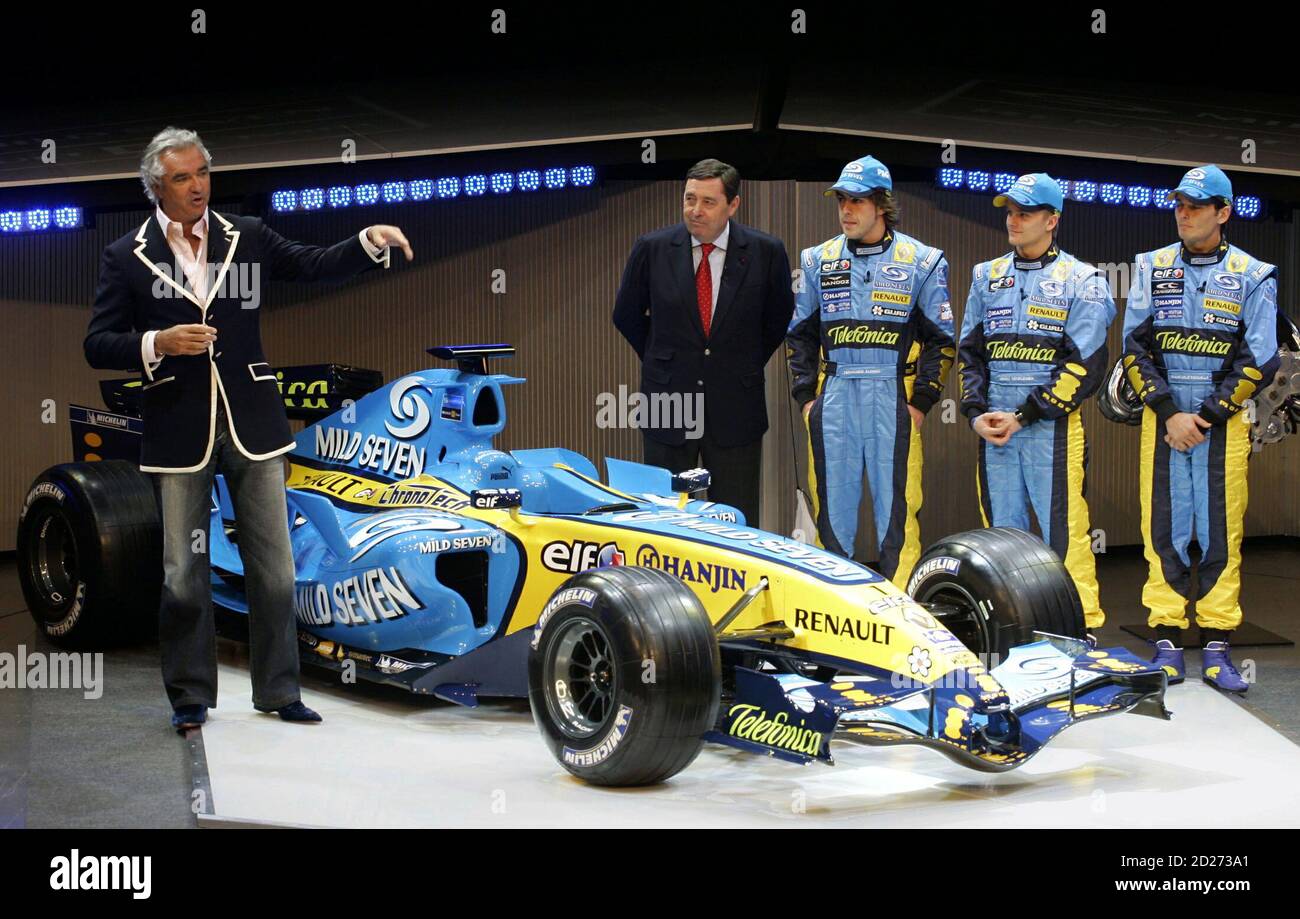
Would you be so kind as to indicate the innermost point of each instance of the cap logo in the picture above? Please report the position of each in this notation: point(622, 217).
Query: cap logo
point(882, 172)
point(1027, 181)
point(1196, 174)
point(853, 167)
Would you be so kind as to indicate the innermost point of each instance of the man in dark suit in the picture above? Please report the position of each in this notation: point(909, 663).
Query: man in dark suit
point(705, 303)
point(166, 292)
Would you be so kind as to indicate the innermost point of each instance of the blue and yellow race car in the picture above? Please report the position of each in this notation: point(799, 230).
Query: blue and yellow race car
point(640, 621)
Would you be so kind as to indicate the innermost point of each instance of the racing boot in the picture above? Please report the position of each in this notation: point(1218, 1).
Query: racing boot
point(1169, 657)
point(1217, 668)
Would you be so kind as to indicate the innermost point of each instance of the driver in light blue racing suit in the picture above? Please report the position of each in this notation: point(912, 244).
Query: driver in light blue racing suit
point(869, 347)
point(1033, 347)
point(1200, 339)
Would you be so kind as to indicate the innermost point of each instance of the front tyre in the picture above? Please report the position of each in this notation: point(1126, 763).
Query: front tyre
point(624, 676)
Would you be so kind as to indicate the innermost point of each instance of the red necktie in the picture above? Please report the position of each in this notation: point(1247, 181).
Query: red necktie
point(704, 287)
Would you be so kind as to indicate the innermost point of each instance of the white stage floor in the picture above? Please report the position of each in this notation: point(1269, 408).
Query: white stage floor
point(383, 759)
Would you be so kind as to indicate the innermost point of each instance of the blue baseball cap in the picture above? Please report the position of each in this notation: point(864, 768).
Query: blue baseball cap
point(1204, 183)
point(1033, 190)
point(861, 177)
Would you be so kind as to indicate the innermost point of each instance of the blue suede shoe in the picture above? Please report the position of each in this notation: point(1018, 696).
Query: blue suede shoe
point(1218, 670)
point(1170, 659)
point(299, 713)
point(189, 716)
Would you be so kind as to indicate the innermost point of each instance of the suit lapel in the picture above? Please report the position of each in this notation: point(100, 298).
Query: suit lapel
point(684, 268)
point(152, 249)
point(223, 240)
point(733, 273)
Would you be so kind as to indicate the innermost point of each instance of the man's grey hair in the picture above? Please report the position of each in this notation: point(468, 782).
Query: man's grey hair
point(169, 138)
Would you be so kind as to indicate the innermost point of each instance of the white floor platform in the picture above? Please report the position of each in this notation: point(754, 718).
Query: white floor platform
point(382, 759)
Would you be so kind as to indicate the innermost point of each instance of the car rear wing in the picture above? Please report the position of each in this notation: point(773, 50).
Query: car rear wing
point(310, 391)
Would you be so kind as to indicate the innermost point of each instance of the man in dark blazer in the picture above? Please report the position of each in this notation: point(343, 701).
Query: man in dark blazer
point(705, 303)
point(178, 302)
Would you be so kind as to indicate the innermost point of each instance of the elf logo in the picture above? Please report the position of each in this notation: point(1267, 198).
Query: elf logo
point(572, 557)
point(103, 872)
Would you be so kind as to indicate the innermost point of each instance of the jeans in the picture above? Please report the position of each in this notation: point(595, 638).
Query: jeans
point(186, 629)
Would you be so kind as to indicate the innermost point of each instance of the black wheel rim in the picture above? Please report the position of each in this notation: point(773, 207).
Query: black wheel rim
point(959, 613)
point(581, 682)
point(52, 565)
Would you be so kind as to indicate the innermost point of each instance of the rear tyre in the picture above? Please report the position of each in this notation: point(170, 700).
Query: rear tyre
point(90, 554)
point(993, 588)
point(624, 677)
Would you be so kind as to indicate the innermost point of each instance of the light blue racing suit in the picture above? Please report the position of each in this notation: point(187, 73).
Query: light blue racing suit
point(1033, 339)
point(1200, 336)
point(872, 332)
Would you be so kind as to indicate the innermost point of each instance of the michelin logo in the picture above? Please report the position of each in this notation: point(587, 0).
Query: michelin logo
point(107, 421)
point(940, 564)
point(605, 749)
point(581, 595)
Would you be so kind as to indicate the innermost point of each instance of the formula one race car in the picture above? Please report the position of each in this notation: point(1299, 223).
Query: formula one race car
point(639, 621)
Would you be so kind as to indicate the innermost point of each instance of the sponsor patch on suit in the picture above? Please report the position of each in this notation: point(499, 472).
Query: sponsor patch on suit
point(1223, 306)
point(1047, 312)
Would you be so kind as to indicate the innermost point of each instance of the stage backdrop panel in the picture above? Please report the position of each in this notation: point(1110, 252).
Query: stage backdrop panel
point(560, 256)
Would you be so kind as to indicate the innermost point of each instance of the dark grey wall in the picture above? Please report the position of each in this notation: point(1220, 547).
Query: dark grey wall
point(562, 255)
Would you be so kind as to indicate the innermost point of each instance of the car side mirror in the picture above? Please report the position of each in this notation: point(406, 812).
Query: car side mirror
point(692, 481)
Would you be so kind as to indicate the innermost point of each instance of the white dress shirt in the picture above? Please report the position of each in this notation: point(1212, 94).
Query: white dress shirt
point(194, 265)
point(716, 260)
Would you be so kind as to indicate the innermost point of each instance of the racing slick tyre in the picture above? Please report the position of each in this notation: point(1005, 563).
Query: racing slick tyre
point(994, 588)
point(624, 675)
point(90, 554)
